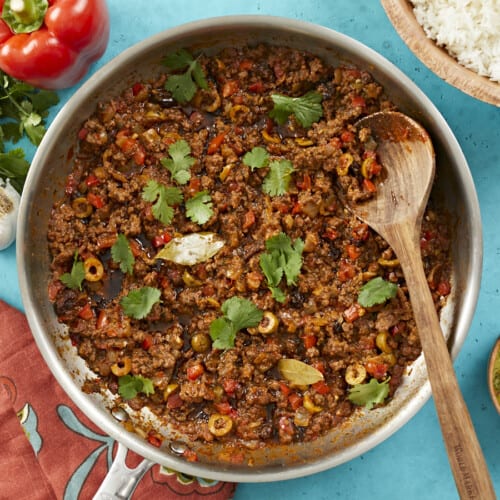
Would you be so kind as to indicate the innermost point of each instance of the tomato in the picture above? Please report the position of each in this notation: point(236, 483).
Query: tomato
point(256, 88)
point(155, 440)
point(229, 88)
point(352, 313)
point(248, 219)
point(230, 386)
point(305, 184)
point(321, 387)
point(102, 320)
point(95, 200)
point(376, 369)
point(353, 251)
point(86, 312)
point(195, 371)
point(369, 186)
point(358, 101)
point(92, 180)
point(295, 400)
point(147, 342)
point(346, 271)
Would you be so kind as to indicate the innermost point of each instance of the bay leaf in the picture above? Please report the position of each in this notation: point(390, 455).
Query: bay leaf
point(297, 372)
point(191, 249)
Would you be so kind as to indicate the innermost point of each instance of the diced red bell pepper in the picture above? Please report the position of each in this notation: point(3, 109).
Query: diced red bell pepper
point(353, 251)
point(369, 186)
point(155, 440)
point(321, 387)
point(230, 87)
point(346, 271)
point(51, 45)
point(256, 87)
point(248, 219)
point(215, 144)
point(161, 239)
point(92, 180)
point(95, 200)
point(147, 342)
point(376, 369)
point(309, 341)
point(86, 312)
point(174, 401)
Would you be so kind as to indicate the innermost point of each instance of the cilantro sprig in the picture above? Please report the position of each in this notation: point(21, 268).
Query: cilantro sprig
point(183, 86)
point(121, 253)
point(277, 180)
point(138, 303)
point(369, 394)
point(238, 313)
point(307, 109)
point(163, 198)
point(75, 277)
point(282, 259)
point(130, 385)
point(376, 291)
point(23, 110)
point(199, 207)
point(180, 161)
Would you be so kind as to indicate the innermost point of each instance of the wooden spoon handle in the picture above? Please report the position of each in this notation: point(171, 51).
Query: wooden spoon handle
point(464, 452)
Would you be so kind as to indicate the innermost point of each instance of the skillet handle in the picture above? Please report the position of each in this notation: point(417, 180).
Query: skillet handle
point(121, 481)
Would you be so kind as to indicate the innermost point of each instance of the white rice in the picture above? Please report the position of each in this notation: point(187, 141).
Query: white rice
point(468, 29)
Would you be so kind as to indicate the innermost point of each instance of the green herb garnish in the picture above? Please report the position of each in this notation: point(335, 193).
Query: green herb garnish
point(74, 278)
point(164, 199)
point(23, 110)
point(369, 394)
point(183, 86)
point(138, 303)
point(278, 178)
point(258, 157)
point(199, 207)
point(238, 314)
point(180, 161)
point(307, 108)
point(130, 385)
point(281, 259)
point(121, 253)
point(376, 291)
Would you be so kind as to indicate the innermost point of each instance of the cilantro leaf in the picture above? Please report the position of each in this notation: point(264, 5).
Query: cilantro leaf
point(130, 385)
point(241, 312)
point(121, 253)
point(183, 86)
point(238, 314)
point(74, 278)
point(223, 333)
point(376, 291)
point(281, 259)
point(369, 394)
point(180, 161)
point(258, 157)
point(278, 178)
point(138, 303)
point(307, 108)
point(13, 166)
point(199, 207)
point(164, 199)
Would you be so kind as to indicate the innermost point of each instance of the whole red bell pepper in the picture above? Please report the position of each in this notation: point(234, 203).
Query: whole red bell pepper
point(51, 43)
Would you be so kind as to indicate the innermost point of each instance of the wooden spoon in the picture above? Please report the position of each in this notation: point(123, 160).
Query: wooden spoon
point(405, 150)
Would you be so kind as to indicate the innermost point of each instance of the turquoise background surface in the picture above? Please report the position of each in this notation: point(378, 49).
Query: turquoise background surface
point(412, 463)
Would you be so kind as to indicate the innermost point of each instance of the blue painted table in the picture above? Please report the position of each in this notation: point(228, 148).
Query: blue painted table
point(412, 463)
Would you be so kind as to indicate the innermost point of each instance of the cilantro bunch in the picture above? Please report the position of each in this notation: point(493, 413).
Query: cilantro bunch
point(23, 110)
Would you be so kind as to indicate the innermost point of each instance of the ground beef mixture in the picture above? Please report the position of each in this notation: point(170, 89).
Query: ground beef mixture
point(238, 393)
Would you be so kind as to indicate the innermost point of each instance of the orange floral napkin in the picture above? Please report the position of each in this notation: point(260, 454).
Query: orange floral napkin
point(49, 449)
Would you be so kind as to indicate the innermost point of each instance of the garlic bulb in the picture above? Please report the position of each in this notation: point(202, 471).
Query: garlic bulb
point(9, 208)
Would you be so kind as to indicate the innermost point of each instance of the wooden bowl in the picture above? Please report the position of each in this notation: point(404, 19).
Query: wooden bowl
point(493, 369)
point(437, 59)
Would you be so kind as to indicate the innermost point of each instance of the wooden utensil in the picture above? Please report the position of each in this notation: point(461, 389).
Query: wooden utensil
point(405, 150)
